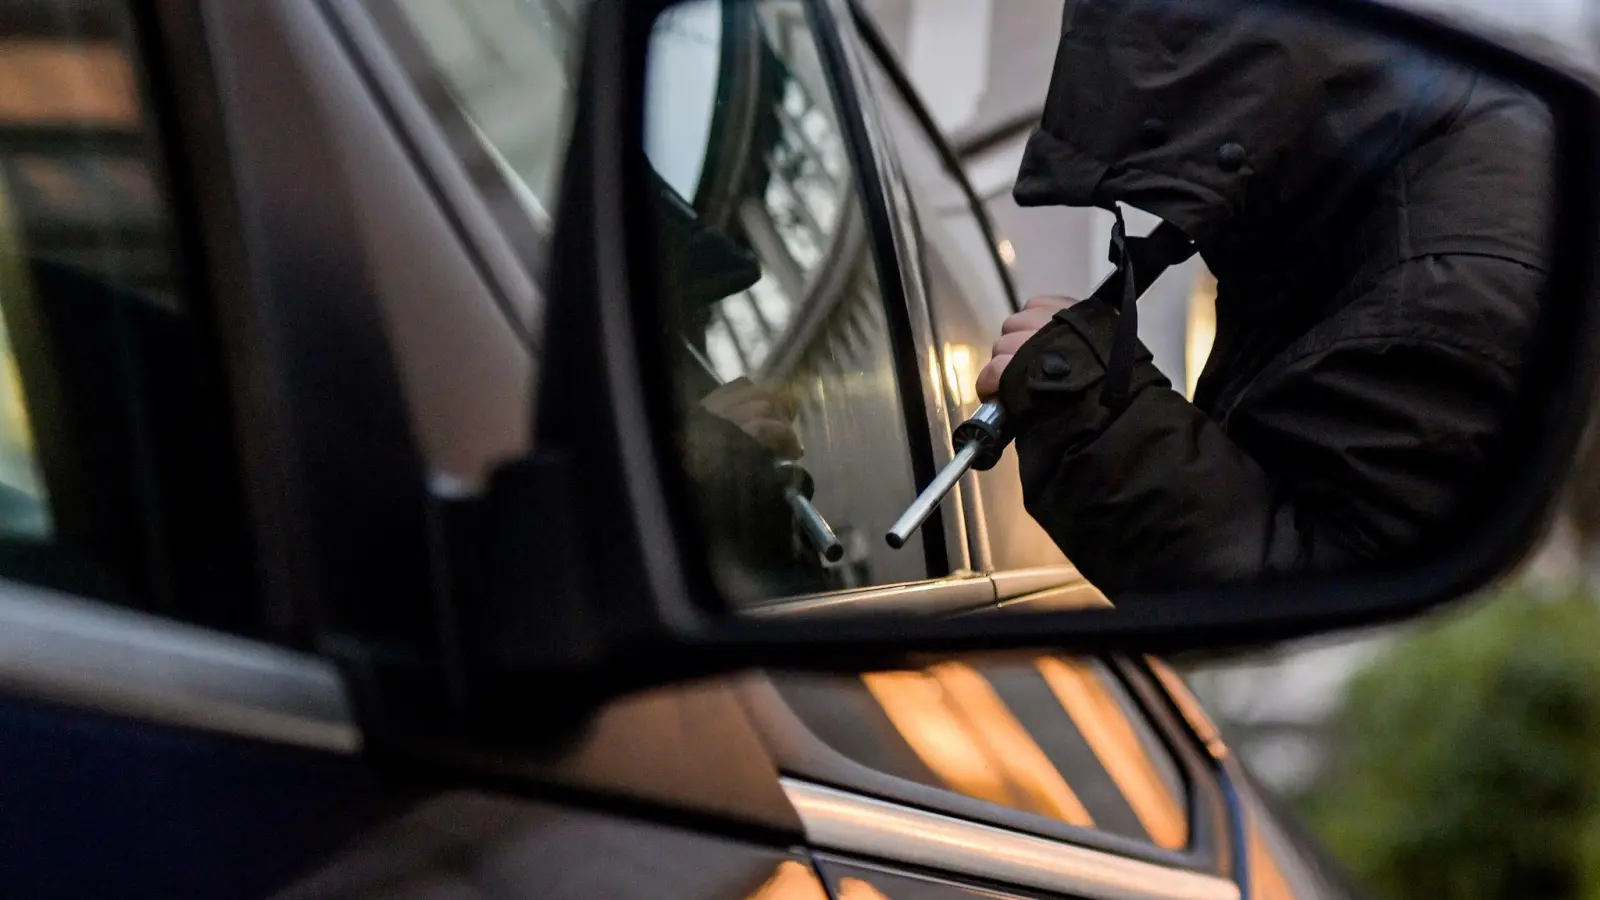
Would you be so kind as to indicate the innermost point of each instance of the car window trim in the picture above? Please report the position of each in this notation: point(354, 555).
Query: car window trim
point(873, 37)
point(851, 823)
point(968, 495)
point(507, 243)
point(1204, 762)
point(1045, 588)
point(802, 755)
point(925, 420)
point(65, 650)
point(1014, 583)
point(956, 594)
point(961, 594)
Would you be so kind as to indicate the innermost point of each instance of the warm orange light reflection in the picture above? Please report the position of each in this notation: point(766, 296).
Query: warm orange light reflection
point(938, 736)
point(1189, 707)
point(1104, 726)
point(856, 889)
point(44, 81)
point(791, 881)
point(1266, 879)
point(961, 373)
point(1201, 331)
point(1029, 770)
point(961, 729)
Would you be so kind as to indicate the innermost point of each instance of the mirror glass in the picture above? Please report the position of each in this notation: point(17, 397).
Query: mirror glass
point(1372, 226)
point(785, 355)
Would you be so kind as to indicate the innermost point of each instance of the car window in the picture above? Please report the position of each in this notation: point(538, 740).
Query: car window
point(508, 67)
point(1059, 737)
point(116, 472)
point(968, 299)
point(785, 361)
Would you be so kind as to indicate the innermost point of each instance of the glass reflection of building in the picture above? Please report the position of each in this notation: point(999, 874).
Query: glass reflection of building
point(778, 179)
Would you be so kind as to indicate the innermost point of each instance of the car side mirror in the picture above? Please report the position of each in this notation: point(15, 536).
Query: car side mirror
point(1335, 475)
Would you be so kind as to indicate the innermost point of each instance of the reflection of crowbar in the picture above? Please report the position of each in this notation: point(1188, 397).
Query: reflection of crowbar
point(799, 490)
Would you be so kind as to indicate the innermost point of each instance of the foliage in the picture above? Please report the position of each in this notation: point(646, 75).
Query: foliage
point(1467, 757)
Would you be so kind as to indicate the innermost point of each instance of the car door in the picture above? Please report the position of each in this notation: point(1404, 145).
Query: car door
point(159, 735)
point(202, 744)
point(1044, 775)
point(166, 728)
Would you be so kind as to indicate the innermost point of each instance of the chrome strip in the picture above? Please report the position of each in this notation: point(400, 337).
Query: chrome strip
point(950, 595)
point(838, 820)
point(1082, 595)
point(64, 650)
point(1020, 582)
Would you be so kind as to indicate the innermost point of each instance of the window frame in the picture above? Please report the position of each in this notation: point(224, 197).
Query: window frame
point(872, 39)
point(961, 591)
point(894, 231)
point(1038, 585)
point(853, 793)
point(509, 245)
point(68, 648)
point(898, 277)
point(182, 565)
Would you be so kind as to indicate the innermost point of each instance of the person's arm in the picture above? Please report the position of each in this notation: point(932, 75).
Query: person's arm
point(1351, 452)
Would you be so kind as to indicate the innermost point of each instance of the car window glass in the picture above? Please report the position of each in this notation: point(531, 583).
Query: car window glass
point(509, 67)
point(968, 299)
point(1055, 736)
point(116, 471)
point(792, 425)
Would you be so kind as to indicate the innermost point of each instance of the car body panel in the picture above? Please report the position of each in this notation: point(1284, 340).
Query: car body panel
point(355, 262)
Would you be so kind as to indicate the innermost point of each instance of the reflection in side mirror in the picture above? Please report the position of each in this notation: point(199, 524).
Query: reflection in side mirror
point(786, 379)
point(1379, 221)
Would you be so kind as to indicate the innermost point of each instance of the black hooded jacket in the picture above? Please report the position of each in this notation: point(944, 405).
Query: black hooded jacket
point(1378, 222)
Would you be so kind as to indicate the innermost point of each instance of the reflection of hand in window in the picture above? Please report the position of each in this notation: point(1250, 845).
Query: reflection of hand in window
point(742, 492)
point(764, 415)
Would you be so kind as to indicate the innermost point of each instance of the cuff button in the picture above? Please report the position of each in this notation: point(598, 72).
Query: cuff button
point(1054, 365)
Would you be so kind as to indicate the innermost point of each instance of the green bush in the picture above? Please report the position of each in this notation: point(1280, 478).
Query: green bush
point(1467, 757)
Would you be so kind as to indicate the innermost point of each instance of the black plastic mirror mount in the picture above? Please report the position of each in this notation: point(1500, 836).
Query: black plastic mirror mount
point(599, 582)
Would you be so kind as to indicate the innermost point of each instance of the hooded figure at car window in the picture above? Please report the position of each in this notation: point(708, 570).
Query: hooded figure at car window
point(1378, 223)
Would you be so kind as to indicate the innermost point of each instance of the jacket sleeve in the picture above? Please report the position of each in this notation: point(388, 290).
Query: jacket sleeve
point(1356, 448)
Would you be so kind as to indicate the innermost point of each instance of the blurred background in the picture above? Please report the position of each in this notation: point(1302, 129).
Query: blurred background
point(1455, 756)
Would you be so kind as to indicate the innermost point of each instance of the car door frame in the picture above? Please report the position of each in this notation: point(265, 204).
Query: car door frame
point(853, 811)
point(85, 652)
point(1033, 587)
point(84, 678)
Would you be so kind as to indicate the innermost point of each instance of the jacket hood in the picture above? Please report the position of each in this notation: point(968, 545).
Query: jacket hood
point(1226, 114)
point(698, 264)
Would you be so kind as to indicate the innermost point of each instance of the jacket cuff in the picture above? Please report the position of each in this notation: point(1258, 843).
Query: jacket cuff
point(1061, 369)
